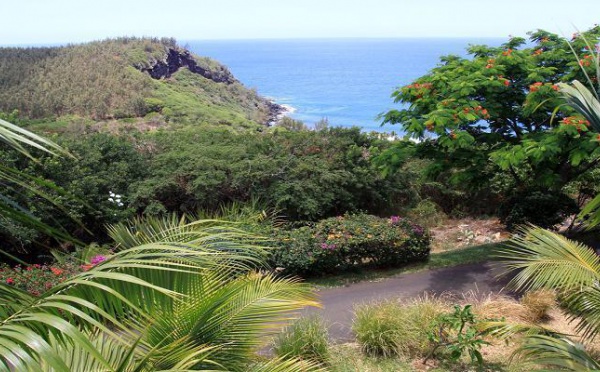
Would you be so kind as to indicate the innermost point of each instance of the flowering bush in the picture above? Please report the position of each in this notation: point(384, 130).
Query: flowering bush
point(348, 242)
point(36, 279)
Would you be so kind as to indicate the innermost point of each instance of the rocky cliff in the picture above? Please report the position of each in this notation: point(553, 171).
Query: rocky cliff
point(176, 59)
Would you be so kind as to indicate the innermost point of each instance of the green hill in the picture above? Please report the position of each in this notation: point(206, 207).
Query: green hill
point(147, 82)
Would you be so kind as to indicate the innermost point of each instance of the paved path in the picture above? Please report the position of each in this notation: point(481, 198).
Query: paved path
point(338, 303)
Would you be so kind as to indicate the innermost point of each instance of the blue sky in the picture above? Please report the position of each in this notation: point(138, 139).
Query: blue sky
point(60, 21)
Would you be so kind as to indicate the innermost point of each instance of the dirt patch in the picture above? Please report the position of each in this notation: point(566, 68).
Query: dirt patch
point(466, 232)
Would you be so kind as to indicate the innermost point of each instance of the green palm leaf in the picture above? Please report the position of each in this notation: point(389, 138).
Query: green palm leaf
point(175, 229)
point(543, 259)
point(17, 138)
point(172, 306)
point(560, 353)
point(238, 315)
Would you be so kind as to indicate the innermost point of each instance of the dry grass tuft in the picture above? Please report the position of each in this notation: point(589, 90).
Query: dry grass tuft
point(496, 306)
point(538, 304)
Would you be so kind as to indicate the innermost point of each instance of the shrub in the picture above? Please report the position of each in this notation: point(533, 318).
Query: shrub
point(349, 242)
point(36, 279)
point(304, 339)
point(390, 328)
point(427, 213)
point(541, 208)
point(538, 303)
point(457, 332)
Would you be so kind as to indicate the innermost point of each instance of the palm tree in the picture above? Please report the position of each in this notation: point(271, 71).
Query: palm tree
point(541, 259)
point(159, 306)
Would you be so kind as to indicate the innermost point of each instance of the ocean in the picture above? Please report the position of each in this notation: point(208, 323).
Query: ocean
point(349, 82)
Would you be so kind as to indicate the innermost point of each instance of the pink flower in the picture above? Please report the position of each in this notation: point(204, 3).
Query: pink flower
point(97, 259)
point(395, 219)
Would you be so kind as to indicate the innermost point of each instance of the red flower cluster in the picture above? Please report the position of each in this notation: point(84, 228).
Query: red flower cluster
point(586, 61)
point(507, 53)
point(579, 123)
point(535, 86)
point(37, 278)
point(420, 86)
point(480, 111)
point(538, 52)
point(490, 63)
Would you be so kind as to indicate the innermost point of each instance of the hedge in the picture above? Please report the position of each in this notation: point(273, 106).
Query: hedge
point(349, 242)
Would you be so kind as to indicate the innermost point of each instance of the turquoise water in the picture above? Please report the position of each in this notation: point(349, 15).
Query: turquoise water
point(347, 81)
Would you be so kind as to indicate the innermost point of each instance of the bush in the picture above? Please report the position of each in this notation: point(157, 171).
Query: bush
point(38, 278)
point(304, 339)
point(349, 242)
point(541, 208)
point(390, 328)
point(428, 214)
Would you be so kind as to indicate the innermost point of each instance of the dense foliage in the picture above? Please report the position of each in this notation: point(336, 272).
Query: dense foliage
point(304, 175)
point(539, 207)
point(349, 242)
point(101, 164)
point(489, 122)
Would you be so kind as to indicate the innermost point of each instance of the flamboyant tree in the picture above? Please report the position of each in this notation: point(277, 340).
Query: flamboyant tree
point(496, 111)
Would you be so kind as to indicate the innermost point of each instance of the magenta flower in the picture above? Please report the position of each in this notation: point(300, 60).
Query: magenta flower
point(97, 259)
point(395, 219)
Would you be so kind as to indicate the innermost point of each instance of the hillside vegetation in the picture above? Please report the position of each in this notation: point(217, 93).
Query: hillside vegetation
point(152, 81)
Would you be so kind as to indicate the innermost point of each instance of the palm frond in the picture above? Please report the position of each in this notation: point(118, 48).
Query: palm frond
point(238, 315)
point(590, 214)
point(175, 229)
point(544, 259)
point(557, 352)
point(133, 355)
point(126, 286)
point(18, 138)
point(583, 101)
point(584, 307)
point(506, 330)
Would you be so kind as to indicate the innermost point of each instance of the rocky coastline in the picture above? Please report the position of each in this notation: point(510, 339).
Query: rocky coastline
point(277, 112)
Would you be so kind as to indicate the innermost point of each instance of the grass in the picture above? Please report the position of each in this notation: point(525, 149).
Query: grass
point(469, 255)
point(407, 323)
point(348, 358)
point(305, 339)
point(394, 328)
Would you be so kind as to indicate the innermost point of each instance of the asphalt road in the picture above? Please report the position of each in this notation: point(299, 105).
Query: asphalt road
point(338, 303)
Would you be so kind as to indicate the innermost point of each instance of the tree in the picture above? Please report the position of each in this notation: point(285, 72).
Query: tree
point(493, 114)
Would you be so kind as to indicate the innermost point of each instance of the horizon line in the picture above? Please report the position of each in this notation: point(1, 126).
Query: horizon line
point(184, 40)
